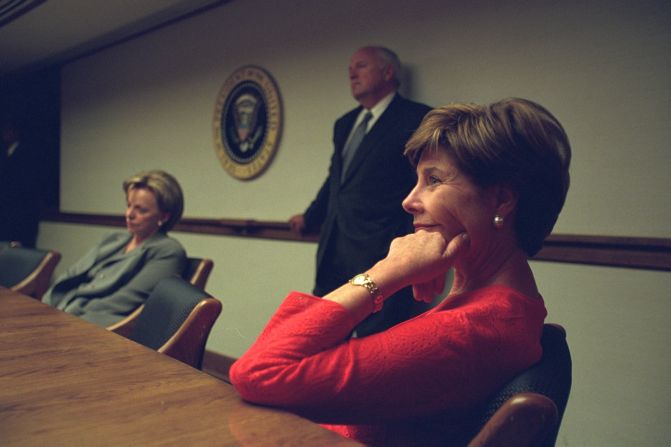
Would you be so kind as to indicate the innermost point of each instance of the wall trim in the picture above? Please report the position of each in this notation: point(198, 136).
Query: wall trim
point(614, 251)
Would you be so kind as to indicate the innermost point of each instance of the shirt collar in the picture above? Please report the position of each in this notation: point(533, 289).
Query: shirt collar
point(377, 110)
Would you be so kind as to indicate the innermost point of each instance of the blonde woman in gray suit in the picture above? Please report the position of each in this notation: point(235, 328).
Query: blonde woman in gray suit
point(117, 275)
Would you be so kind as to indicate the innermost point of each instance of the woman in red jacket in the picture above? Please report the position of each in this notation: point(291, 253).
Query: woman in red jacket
point(491, 182)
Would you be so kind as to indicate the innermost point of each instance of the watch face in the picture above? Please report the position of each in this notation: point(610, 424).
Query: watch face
point(359, 279)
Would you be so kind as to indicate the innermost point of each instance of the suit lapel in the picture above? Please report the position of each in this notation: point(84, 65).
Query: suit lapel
point(116, 253)
point(109, 253)
point(100, 252)
point(341, 138)
point(120, 254)
point(373, 138)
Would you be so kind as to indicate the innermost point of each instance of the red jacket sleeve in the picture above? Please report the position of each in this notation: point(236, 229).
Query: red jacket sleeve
point(447, 359)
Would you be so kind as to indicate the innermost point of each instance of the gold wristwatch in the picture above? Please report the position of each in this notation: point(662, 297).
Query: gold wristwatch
point(363, 280)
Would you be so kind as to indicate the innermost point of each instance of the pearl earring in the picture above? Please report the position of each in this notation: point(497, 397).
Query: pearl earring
point(498, 222)
point(160, 223)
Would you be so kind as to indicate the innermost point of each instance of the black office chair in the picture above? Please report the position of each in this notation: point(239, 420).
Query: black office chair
point(196, 271)
point(529, 409)
point(27, 270)
point(176, 320)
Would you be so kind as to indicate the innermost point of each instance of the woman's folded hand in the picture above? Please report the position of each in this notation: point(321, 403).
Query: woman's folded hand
point(423, 258)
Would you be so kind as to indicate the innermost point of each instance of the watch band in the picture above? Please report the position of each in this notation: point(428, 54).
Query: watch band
point(363, 280)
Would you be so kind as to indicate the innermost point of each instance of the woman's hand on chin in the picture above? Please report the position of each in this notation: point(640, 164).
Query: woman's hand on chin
point(423, 258)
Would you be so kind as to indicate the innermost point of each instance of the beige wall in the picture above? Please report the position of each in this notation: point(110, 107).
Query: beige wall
point(602, 67)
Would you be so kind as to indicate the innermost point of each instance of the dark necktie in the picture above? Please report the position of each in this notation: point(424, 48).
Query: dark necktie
point(353, 143)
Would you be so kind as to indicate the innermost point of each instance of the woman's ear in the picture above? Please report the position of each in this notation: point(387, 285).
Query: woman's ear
point(506, 200)
point(164, 218)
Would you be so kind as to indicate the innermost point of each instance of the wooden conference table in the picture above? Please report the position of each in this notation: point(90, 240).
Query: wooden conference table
point(66, 382)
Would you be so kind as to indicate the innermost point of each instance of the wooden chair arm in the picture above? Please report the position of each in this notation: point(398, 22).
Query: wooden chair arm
point(193, 333)
point(35, 284)
point(202, 273)
point(523, 420)
point(125, 327)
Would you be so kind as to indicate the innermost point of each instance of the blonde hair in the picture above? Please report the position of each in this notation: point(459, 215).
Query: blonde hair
point(167, 191)
point(513, 142)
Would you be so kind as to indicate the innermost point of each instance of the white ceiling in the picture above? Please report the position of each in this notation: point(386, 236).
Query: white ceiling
point(58, 30)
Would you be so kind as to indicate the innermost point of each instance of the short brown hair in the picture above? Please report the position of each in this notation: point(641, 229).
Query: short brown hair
point(513, 142)
point(167, 191)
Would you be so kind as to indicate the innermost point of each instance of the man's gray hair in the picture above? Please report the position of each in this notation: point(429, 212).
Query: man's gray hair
point(388, 57)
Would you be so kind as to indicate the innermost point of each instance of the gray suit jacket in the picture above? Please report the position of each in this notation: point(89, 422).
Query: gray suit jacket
point(107, 284)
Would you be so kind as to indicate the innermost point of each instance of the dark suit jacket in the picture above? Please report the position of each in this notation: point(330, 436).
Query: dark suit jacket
point(19, 200)
point(359, 216)
point(106, 284)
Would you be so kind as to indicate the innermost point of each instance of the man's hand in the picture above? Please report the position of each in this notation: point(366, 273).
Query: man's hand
point(297, 224)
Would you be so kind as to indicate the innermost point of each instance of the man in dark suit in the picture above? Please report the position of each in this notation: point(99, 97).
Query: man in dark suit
point(19, 204)
point(358, 209)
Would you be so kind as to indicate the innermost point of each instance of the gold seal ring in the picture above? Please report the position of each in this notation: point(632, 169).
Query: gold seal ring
point(247, 122)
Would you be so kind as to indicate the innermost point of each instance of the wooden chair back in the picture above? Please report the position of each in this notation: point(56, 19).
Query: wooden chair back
point(197, 271)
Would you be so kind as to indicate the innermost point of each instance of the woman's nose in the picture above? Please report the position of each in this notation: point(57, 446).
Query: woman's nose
point(411, 204)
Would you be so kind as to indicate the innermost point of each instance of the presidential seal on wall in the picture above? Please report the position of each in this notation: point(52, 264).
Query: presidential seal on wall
point(247, 122)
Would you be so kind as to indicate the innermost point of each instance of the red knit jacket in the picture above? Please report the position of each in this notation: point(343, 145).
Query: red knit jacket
point(379, 389)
